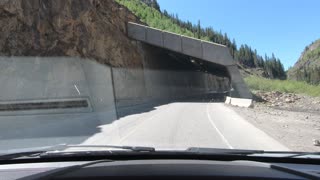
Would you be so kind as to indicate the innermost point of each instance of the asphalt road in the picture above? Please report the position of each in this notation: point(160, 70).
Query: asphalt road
point(186, 124)
point(176, 125)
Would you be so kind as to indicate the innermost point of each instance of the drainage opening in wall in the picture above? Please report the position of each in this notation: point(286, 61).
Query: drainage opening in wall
point(45, 106)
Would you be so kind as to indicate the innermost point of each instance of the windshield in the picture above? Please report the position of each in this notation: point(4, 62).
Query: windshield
point(161, 74)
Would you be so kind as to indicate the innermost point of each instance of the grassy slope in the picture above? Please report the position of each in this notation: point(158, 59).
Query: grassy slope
point(153, 18)
point(288, 86)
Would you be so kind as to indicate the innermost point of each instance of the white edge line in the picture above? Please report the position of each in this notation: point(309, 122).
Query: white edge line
point(77, 89)
point(215, 127)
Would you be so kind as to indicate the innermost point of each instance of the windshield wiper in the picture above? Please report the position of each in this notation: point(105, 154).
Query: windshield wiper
point(301, 154)
point(60, 150)
point(219, 151)
point(29, 152)
point(244, 152)
point(132, 148)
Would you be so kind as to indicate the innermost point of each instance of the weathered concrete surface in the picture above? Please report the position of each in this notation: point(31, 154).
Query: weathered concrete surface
point(215, 53)
point(154, 36)
point(191, 47)
point(203, 50)
point(129, 86)
point(172, 41)
point(137, 86)
point(27, 79)
point(240, 89)
point(32, 79)
point(240, 102)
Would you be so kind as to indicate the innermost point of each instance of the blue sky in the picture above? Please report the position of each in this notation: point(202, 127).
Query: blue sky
point(282, 27)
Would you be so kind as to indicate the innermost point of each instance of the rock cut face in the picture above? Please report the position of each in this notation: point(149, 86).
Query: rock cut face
point(92, 29)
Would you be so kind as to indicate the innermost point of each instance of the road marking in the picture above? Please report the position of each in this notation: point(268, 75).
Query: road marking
point(137, 127)
point(77, 89)
point(215, 127)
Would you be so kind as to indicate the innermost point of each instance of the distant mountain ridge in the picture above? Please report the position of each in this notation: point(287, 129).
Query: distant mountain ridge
point(307, 68)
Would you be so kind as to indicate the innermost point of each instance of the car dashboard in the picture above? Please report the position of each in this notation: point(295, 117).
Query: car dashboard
point(159, 169)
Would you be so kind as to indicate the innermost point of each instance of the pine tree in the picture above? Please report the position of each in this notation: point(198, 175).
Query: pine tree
point(199, 30)
point(244, 55)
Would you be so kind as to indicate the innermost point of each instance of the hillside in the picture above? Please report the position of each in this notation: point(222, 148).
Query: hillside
point(248, 58)
point(91, 30)
point(88, 29)
point(307, 68)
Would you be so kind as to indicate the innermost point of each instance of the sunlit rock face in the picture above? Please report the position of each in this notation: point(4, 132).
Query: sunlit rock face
point(94, 29)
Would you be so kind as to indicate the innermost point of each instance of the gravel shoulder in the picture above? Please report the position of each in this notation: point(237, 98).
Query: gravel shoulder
point(294, 123)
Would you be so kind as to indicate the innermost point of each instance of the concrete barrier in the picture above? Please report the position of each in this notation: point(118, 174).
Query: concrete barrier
point(47, 79)
point(191, 47)
point(139, 32)
point(129, 85)
point(212, 52)
point(154, 36)
point(241, 102)
point(172, 41)
point(219, 53)
point(240, 88)
point(228, 100)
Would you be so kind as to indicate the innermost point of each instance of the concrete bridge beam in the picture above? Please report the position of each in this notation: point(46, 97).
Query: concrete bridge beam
point(203, 50)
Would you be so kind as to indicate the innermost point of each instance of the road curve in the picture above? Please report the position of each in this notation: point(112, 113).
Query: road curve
point(177, 125)
point(188, 124)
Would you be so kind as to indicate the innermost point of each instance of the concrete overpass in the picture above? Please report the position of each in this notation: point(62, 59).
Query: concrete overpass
point(203, 50)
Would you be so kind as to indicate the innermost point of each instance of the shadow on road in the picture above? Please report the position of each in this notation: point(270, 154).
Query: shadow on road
point(43, 130)
point(28, 131)
point(146, 107)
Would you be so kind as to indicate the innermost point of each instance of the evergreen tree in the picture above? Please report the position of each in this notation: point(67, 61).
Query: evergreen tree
point(199, 30)
point(149, 12)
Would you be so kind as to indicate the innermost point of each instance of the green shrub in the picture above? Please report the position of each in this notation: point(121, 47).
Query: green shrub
point(287, 86)
point(153, 17)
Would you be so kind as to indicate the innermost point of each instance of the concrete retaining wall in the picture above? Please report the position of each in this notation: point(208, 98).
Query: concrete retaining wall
point(156, 85)
point(240, 89)
point(26, 79)
point(32, 79)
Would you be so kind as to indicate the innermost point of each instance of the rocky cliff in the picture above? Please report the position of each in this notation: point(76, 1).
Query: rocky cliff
point(94, 29)
point(307, 68)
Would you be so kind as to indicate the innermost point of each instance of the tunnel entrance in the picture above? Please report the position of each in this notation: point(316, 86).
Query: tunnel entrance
point(176, 68)
point(168, 76)
point(211, 77)
point(213, 53)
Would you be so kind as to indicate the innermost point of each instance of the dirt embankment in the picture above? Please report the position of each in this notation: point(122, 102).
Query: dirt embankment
point(289, 101)
point(292, 119)
point(92, 29)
